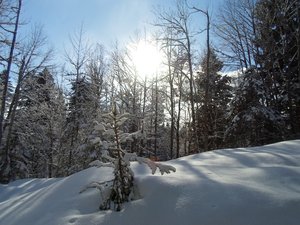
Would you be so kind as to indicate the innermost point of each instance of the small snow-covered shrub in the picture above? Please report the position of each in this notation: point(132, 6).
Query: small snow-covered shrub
point(107, 137)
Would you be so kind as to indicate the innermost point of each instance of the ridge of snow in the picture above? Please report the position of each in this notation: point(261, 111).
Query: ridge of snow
point(255, 186)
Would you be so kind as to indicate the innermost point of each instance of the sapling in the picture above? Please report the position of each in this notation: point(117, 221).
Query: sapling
point(107, 137)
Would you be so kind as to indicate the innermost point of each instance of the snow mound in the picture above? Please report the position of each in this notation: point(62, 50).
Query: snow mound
point(255, 186)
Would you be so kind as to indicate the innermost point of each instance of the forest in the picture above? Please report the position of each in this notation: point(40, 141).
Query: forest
point(50, 114)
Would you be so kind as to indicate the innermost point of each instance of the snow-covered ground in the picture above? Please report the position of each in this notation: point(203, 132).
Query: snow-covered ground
point(244, 186)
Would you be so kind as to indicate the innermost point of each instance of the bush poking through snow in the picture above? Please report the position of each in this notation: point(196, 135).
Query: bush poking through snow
point(121, 188)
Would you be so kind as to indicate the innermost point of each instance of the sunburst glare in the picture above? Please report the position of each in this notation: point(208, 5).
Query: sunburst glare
point(146, 58)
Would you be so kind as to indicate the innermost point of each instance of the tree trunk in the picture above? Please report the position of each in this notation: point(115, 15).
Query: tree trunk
point(7, 72)
point(207, 96)
point(5, 164)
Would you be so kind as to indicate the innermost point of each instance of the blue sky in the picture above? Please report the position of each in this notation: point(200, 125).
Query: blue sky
point(105, 21)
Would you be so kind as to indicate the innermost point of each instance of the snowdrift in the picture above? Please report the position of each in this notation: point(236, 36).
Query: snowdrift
point(244, 186)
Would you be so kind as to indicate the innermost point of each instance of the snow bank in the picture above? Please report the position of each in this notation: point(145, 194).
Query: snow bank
point(225, 187)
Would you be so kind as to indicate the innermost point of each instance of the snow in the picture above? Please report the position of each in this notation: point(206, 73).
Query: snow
point(244, 186)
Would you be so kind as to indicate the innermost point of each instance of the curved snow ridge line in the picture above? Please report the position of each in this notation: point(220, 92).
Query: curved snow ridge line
point(230, 187)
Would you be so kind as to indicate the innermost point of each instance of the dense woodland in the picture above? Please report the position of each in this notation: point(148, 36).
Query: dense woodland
point(49, 112)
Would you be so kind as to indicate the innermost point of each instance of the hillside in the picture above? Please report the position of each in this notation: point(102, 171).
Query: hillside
point(244, 186)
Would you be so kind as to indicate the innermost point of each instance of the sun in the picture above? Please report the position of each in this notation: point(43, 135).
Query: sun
point(146, 58)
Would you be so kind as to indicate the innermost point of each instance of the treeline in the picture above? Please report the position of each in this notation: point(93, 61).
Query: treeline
point(49, 113)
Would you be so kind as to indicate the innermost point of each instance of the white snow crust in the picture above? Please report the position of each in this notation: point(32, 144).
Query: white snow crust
point(243, 186)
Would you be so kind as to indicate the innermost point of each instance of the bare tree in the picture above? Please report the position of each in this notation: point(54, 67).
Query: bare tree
point(175, 61)
point(11, 26)
point(96, 69)
point(207, 95)
point(126, 89)
point(168, 48)
point(77, 58)
point(178, 21)
point(179, 81)
point(31, 59)
point(236, 28)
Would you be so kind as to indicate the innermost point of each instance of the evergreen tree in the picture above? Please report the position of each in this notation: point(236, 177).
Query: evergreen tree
point(9, 89)
point(38, 125)
point(80, 117)
point(218, 98)
point(252, 122)
point(108, 136)
point(279, 57)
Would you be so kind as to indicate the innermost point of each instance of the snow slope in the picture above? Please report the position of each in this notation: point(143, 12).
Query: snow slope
point(244, 186)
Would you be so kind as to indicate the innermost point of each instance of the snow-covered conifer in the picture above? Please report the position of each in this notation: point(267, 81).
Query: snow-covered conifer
point(252, 122)
point(121, 188)
point(38, 127)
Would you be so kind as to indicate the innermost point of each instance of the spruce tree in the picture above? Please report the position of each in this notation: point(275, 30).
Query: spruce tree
point(33, 119)
point(252, 122)
point(218, 98)
point(38, 126)
point(80, 116)
point(279, 57)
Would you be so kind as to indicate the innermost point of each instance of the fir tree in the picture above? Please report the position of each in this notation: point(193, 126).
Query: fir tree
point(108, 138)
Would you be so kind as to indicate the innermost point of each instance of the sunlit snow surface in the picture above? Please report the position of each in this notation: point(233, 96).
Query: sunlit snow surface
point(245, 186)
